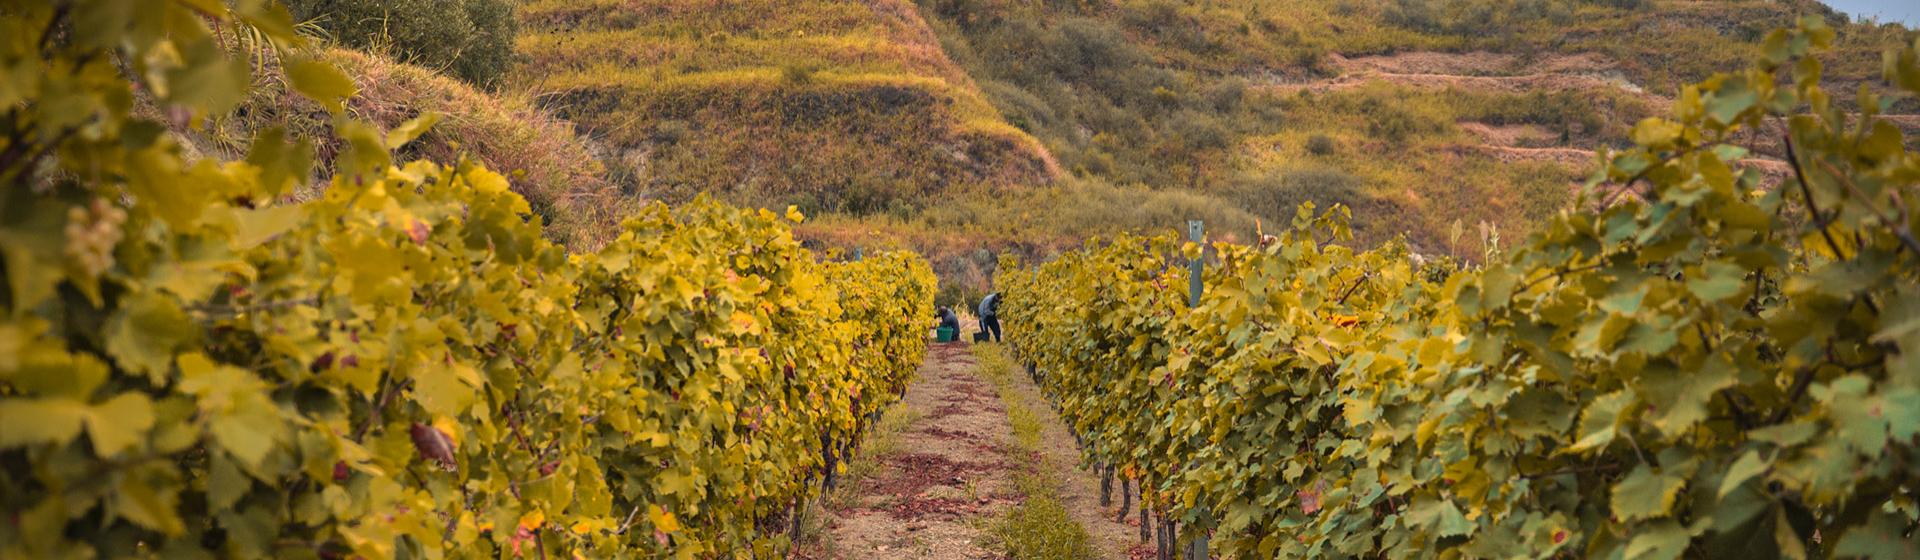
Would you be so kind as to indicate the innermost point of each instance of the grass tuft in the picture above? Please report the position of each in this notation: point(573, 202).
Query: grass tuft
point(1039, 527)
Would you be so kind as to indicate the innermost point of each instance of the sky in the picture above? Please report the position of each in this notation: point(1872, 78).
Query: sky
point(1903, 11)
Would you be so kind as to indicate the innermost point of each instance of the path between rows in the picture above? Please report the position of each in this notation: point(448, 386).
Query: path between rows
point(943, 469)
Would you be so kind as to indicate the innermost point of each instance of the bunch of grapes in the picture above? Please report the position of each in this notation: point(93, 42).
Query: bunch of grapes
point(92, 231)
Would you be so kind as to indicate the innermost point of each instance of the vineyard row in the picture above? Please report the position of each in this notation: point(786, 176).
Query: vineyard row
point(1684, 364)
point(207, 358)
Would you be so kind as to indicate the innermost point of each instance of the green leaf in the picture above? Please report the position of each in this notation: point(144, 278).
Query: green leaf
point(1857, 415)
point(242, 419)
point(1733, 98)
point(144, 333)
point(1786, 435)
point(271, 18)
point(1602, 418)
point(138, 501)
point(1900, 322)
point(39, 421)
point(366, 150)
point(1682, 397)
point(249, 432)
point(1441, 516)
point(1748, 466)
point(225, 483)
point(1661, 541)
point(46, 371)
point(1883, 537)
point(1645, 494)
point(31, 234)
point(1717, 281)
point(1902, 410)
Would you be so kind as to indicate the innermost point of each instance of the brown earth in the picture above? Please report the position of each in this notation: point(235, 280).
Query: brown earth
point(1476, 63)
point(1486, 71)
point(950, 471)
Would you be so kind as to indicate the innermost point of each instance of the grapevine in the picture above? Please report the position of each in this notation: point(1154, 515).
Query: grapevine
point(1703, 368)
point(195, 362)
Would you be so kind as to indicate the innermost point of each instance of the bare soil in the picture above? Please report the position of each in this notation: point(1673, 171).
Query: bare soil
point(948, 472)
point(1477, 63)
point(951, 473)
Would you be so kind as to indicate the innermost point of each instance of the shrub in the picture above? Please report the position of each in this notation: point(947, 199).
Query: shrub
point(1320, 145)
point(469, 39)
point(1086, 46)
point(1200, 131)
point(798, 74)
point(1274, 195)
point(1398, 123)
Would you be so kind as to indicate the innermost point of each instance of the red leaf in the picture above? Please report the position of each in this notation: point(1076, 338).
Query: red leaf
point(322, 363)
point(417, 231)
point(433, 445)
point(1310, 497)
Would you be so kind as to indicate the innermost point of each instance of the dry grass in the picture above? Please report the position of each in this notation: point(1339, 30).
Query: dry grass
point(838, 107)
point(553, 167)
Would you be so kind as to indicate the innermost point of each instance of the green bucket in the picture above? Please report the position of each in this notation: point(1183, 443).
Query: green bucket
point(946, 334)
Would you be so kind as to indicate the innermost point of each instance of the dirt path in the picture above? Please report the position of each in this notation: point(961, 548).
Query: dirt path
point(945, 467)
point(1078, 488)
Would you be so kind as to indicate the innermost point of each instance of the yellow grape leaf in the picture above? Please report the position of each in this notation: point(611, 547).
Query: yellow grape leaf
point(259, 225)
point(319, 81)
point(39, 421)
point(119, 423)
point(136, 500)
point(662, 519)
point(441, 390)
point(1645, 494)
point(408, 131)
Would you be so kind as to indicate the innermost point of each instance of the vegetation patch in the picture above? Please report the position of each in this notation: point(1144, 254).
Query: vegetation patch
point(835, 107)
point(1037, 527)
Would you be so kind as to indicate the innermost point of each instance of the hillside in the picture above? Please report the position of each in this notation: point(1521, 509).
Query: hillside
point(1429, 117)
point(554, 168)
point(967, 128)
point(833, 106)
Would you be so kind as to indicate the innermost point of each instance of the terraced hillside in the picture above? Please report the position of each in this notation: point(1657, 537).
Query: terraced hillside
point(845, 107)
point(964, 128)
point(1433, 119)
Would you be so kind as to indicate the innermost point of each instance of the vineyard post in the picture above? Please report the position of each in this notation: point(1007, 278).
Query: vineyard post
point(1196, 232)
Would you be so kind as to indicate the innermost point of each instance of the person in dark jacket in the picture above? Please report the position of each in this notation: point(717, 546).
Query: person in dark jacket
point(948, 320)
point(990, 315)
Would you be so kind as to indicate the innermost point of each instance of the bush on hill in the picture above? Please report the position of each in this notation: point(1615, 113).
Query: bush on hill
point(470, 39)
